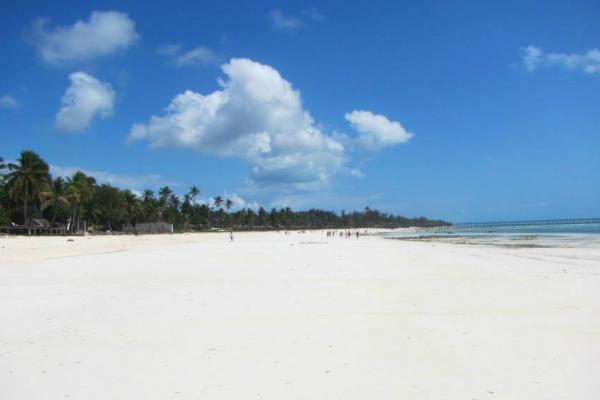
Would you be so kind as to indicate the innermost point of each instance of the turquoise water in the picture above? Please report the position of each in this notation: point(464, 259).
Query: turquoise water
point(554, 233)
point(541, 230)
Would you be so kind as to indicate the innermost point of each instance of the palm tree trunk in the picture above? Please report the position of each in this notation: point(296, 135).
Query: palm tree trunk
point(75, 217)
point(72, 218)
point(25, 203)
point(54, 214)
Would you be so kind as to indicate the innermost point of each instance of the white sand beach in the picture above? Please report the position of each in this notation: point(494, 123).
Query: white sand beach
point(299, 316)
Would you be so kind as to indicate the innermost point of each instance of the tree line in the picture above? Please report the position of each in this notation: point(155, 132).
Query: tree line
point(27, 190)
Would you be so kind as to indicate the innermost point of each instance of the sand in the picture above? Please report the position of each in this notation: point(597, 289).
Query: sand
point(300, 316)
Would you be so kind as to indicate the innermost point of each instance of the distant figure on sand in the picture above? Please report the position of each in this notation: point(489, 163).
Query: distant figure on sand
point(231, 235)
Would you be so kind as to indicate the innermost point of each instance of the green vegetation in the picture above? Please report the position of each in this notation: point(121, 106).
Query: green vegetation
point(28, 191)
point(27, 180)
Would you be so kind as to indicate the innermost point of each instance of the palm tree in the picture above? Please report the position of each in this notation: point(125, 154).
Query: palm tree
point(27, 179)
point(194, 193)
point(174, 201)
point(218, 200)
point(3, 213)
point(73, 196)
point(186, 205)
point(149, 202)
point(134, 207)
point(56, 197)
point(172, 208)
point(148, 196)
point(164, 193)
point(2, 166)
point(163, 196)
point(228, 204)
point(80, 193)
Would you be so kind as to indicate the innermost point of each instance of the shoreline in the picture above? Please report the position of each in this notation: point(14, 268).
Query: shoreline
point(538, 242)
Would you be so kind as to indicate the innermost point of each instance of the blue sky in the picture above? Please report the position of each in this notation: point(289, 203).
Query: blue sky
point(457, 110)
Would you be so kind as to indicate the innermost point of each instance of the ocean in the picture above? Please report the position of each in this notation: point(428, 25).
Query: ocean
point(515, 236)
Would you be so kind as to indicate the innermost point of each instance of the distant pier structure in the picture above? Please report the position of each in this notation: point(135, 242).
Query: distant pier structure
point(504, 224)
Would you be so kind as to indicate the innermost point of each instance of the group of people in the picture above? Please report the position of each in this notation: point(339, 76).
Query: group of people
point(330, 234)
point(343, 233)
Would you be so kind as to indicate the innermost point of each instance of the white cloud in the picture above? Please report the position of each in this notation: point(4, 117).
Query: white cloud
point(588, 62)
point(8, 102)
point(239, 202)
point(532, 57)
point(134, 182)
point(198, 56)
point(103, 33)
point(377, 131)
point(281, 21)
point(258, 117)
point(83, 100)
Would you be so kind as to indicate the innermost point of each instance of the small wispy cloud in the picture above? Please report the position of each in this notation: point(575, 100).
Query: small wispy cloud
point(169, 49)
point(535, 57)
point(281, 21)
point(8, 102)
point(198, 56)
point(313, 13)
point(355, 172)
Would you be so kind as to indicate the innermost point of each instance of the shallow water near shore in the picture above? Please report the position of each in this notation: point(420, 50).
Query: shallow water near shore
point(573, 235)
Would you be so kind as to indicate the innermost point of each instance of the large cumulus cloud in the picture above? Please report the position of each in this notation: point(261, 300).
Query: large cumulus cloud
point(256, 116)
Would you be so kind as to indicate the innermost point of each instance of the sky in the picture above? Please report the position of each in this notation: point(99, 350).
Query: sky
point(461, 110)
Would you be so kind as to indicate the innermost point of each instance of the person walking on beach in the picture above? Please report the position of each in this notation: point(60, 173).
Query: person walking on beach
point(231, 235)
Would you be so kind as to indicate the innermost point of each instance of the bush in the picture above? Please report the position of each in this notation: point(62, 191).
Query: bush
point(4, 218)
